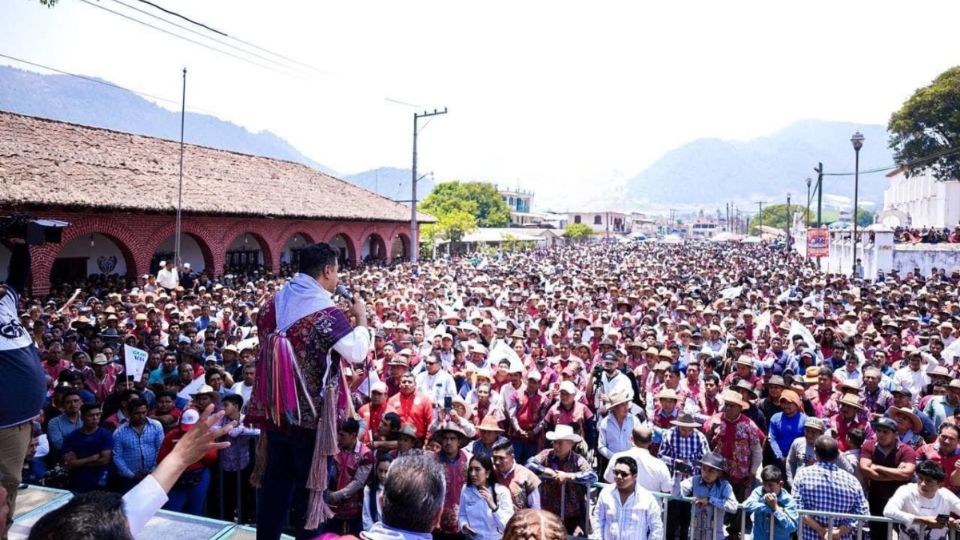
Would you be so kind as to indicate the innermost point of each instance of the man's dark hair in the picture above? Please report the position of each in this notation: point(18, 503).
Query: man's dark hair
point(97, 515)
point(856, 436)
point(826, 448)
point(771, 473)
point(351, 426)
point(171, 395)
point(642, 436)
point(503, 445)
point(931, 469)
point(413, 493)
point(136, 402)
point(393, 420)
point(74, 392)
point(825, 372)
point(629, 462)
point(87, 407)
point(236, 399)
point(315, 257)
point(954, 427)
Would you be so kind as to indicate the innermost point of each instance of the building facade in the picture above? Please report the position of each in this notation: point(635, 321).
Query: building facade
point(925, 201)
point(241, 213)
point(602, 222)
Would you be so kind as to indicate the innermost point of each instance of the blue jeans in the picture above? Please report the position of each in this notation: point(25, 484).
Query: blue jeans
point(190, 499)
point(283, 489)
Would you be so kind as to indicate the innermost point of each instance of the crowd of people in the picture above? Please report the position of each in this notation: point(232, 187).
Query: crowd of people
point(566, 389)
point(927, 235)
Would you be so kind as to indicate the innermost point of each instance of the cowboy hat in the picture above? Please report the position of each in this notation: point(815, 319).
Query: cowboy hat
point(852, 400)
point(619, 396)
point(915, 424)
point(714, 461)
point(667, 393)
point(729, 396)
point(811, 375)
point(563, 432)
point(489, 423)
point(685, 420)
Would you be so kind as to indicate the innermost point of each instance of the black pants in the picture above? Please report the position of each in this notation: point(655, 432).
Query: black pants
point(878, 530)
point(741, 491)
point(678, 520)
point(239, 497)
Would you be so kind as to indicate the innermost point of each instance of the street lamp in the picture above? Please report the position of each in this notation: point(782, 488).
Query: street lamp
point(857, 141)
point(806, 217)
point(789, 224)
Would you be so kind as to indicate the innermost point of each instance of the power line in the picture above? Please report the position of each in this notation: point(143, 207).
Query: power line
point(201, 34)
point(937, 155)
point(185, 38)
point(225, 34)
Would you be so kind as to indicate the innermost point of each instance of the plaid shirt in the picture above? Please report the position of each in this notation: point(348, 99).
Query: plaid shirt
point(825, 488)
point(135, 452)
point(676, 447)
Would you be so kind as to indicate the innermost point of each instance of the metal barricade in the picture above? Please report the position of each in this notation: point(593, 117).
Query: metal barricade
point(707, 521)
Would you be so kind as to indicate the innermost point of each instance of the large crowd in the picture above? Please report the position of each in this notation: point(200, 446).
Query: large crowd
point(584, 382)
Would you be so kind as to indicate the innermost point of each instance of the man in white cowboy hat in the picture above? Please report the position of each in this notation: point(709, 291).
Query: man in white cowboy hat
point(566, 477)
point(601, 385)
point(615, 430)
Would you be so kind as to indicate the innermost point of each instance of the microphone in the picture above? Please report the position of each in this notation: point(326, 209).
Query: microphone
point(342, 291)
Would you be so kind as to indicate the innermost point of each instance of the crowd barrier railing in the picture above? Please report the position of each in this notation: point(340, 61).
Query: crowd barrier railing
point(708, 522)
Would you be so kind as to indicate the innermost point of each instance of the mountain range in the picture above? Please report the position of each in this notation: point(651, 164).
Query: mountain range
point(716, 171)
point(704, 172)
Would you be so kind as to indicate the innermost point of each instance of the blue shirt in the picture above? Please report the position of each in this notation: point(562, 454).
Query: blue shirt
point(83, 445)
point(136, 452)
point(785, 519)
point(784, 430)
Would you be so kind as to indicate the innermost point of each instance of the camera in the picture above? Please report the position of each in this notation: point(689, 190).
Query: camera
point(34, 232)
point(683, 467)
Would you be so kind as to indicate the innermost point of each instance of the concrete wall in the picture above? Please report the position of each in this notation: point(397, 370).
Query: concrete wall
point(926, 201)
point(878, 252)
point(926, 257)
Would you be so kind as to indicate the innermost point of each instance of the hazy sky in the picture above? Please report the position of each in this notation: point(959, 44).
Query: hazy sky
point(545, 95)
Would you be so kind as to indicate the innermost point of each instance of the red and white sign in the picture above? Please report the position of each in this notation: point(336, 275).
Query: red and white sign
point(818, 243)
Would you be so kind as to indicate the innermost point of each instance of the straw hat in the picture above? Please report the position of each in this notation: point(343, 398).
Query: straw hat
point(667, 393)
point(563, 432)
point(685, 420)
point(730, 396)
point(852, 400)
point(489, 423)
point(619, 396)
point(915, 423)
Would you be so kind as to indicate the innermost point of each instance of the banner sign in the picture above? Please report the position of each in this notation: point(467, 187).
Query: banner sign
point(818, 243)
point(136, 360)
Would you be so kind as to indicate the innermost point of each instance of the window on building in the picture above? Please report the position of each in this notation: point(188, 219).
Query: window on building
point(576, 219)
point(597, 220)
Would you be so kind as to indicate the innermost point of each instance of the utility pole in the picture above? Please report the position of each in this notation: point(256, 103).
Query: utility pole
point(179, 227)
point(788, 225)
point(819, 170)
point(414, 242)
point(760, 226)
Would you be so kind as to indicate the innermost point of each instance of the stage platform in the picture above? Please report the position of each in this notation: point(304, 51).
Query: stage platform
point(35, 501)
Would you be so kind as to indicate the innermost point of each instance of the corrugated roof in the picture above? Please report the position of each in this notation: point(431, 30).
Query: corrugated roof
point(47, 162)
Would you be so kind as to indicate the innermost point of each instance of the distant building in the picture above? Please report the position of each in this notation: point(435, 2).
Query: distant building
point(703, 229)
point(602, 222)
point(496, 237)
point(920, 201)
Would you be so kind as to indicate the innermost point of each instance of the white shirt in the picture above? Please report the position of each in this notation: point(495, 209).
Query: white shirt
point(142, 502)
point(907, 502)
point(242, 389)
point(637, 519)
point(652, 474)
point(355, 346)
point(168, 279)
point(475, 513)
point(915, 381)
point(436, 386)
point(613, 437)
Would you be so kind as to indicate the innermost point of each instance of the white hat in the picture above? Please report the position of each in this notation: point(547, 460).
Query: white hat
point(534, 375)
point(186, 265)
point(563, 432)
point(568, 387)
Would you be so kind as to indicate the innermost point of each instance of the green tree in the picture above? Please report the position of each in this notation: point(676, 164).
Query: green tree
point(864, 218)
point(776, 216)
point(479, 199)
point(928, 124)
point(577, 232)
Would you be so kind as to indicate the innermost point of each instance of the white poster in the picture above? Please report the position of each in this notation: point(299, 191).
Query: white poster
point(191, 388)
point(136, 360)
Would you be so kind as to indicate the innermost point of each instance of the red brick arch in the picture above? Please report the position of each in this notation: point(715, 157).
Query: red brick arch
point(43, 256)
point(255, 230)
point(405, 236)
point(352, 246)
point(204, 237)
point(300, 228)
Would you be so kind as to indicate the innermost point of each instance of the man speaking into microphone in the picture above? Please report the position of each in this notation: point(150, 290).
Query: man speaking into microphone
point(300, 395)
